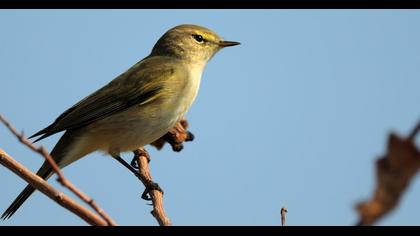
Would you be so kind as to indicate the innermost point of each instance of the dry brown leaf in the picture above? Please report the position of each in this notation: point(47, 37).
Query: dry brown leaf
point(394, 172)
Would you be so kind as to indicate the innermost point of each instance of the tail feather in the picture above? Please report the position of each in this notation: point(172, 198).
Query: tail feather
point(18, 202)
point(44, 172)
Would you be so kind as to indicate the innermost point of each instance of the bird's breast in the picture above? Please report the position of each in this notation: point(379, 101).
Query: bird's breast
point(192, 87)
point(144, 124)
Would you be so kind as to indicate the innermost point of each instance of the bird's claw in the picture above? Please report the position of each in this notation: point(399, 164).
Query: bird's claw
point(134, 163)
point(150, 187)
point(138, 152)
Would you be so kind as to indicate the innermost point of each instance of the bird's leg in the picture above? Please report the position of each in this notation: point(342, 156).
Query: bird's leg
point(128, 166)
point(144, 171)
point(150, 185)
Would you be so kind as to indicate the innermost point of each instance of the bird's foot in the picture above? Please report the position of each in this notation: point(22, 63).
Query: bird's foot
point(139, 152)
point(150, 187)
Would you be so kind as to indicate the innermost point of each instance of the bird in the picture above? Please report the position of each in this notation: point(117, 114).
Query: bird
point(137, 107)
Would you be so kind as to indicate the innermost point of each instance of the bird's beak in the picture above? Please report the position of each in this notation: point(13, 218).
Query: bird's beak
point(223, 44)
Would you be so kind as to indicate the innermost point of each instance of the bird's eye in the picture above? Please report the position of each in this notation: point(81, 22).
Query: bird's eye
point(198, 38)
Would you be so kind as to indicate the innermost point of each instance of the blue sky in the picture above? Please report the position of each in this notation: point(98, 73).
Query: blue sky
point(295, 116)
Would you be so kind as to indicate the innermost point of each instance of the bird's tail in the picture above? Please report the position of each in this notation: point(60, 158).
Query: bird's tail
point(25, 194)
point(18, 202)
point(58, 153)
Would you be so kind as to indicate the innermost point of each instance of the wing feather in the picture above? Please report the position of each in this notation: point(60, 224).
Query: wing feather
point(131, 88)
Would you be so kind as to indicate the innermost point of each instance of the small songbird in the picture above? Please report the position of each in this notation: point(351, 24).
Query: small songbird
point(136, 108)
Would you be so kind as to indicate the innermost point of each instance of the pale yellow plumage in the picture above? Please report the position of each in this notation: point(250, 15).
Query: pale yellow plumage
point(136, 108)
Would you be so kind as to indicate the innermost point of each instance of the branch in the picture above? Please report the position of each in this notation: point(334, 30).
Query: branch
point(395, 170)
point(61, 179)
point(44, 187)
point(175, 137)
point(283, 212)
point(142, 158)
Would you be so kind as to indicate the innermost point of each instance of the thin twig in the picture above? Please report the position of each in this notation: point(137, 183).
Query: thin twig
point(156, 196)
point(63, 180)
point(44, 187)
point(414, 132)
point(283, 212)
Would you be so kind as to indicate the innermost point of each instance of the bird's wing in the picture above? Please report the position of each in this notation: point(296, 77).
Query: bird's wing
point(137, 86)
